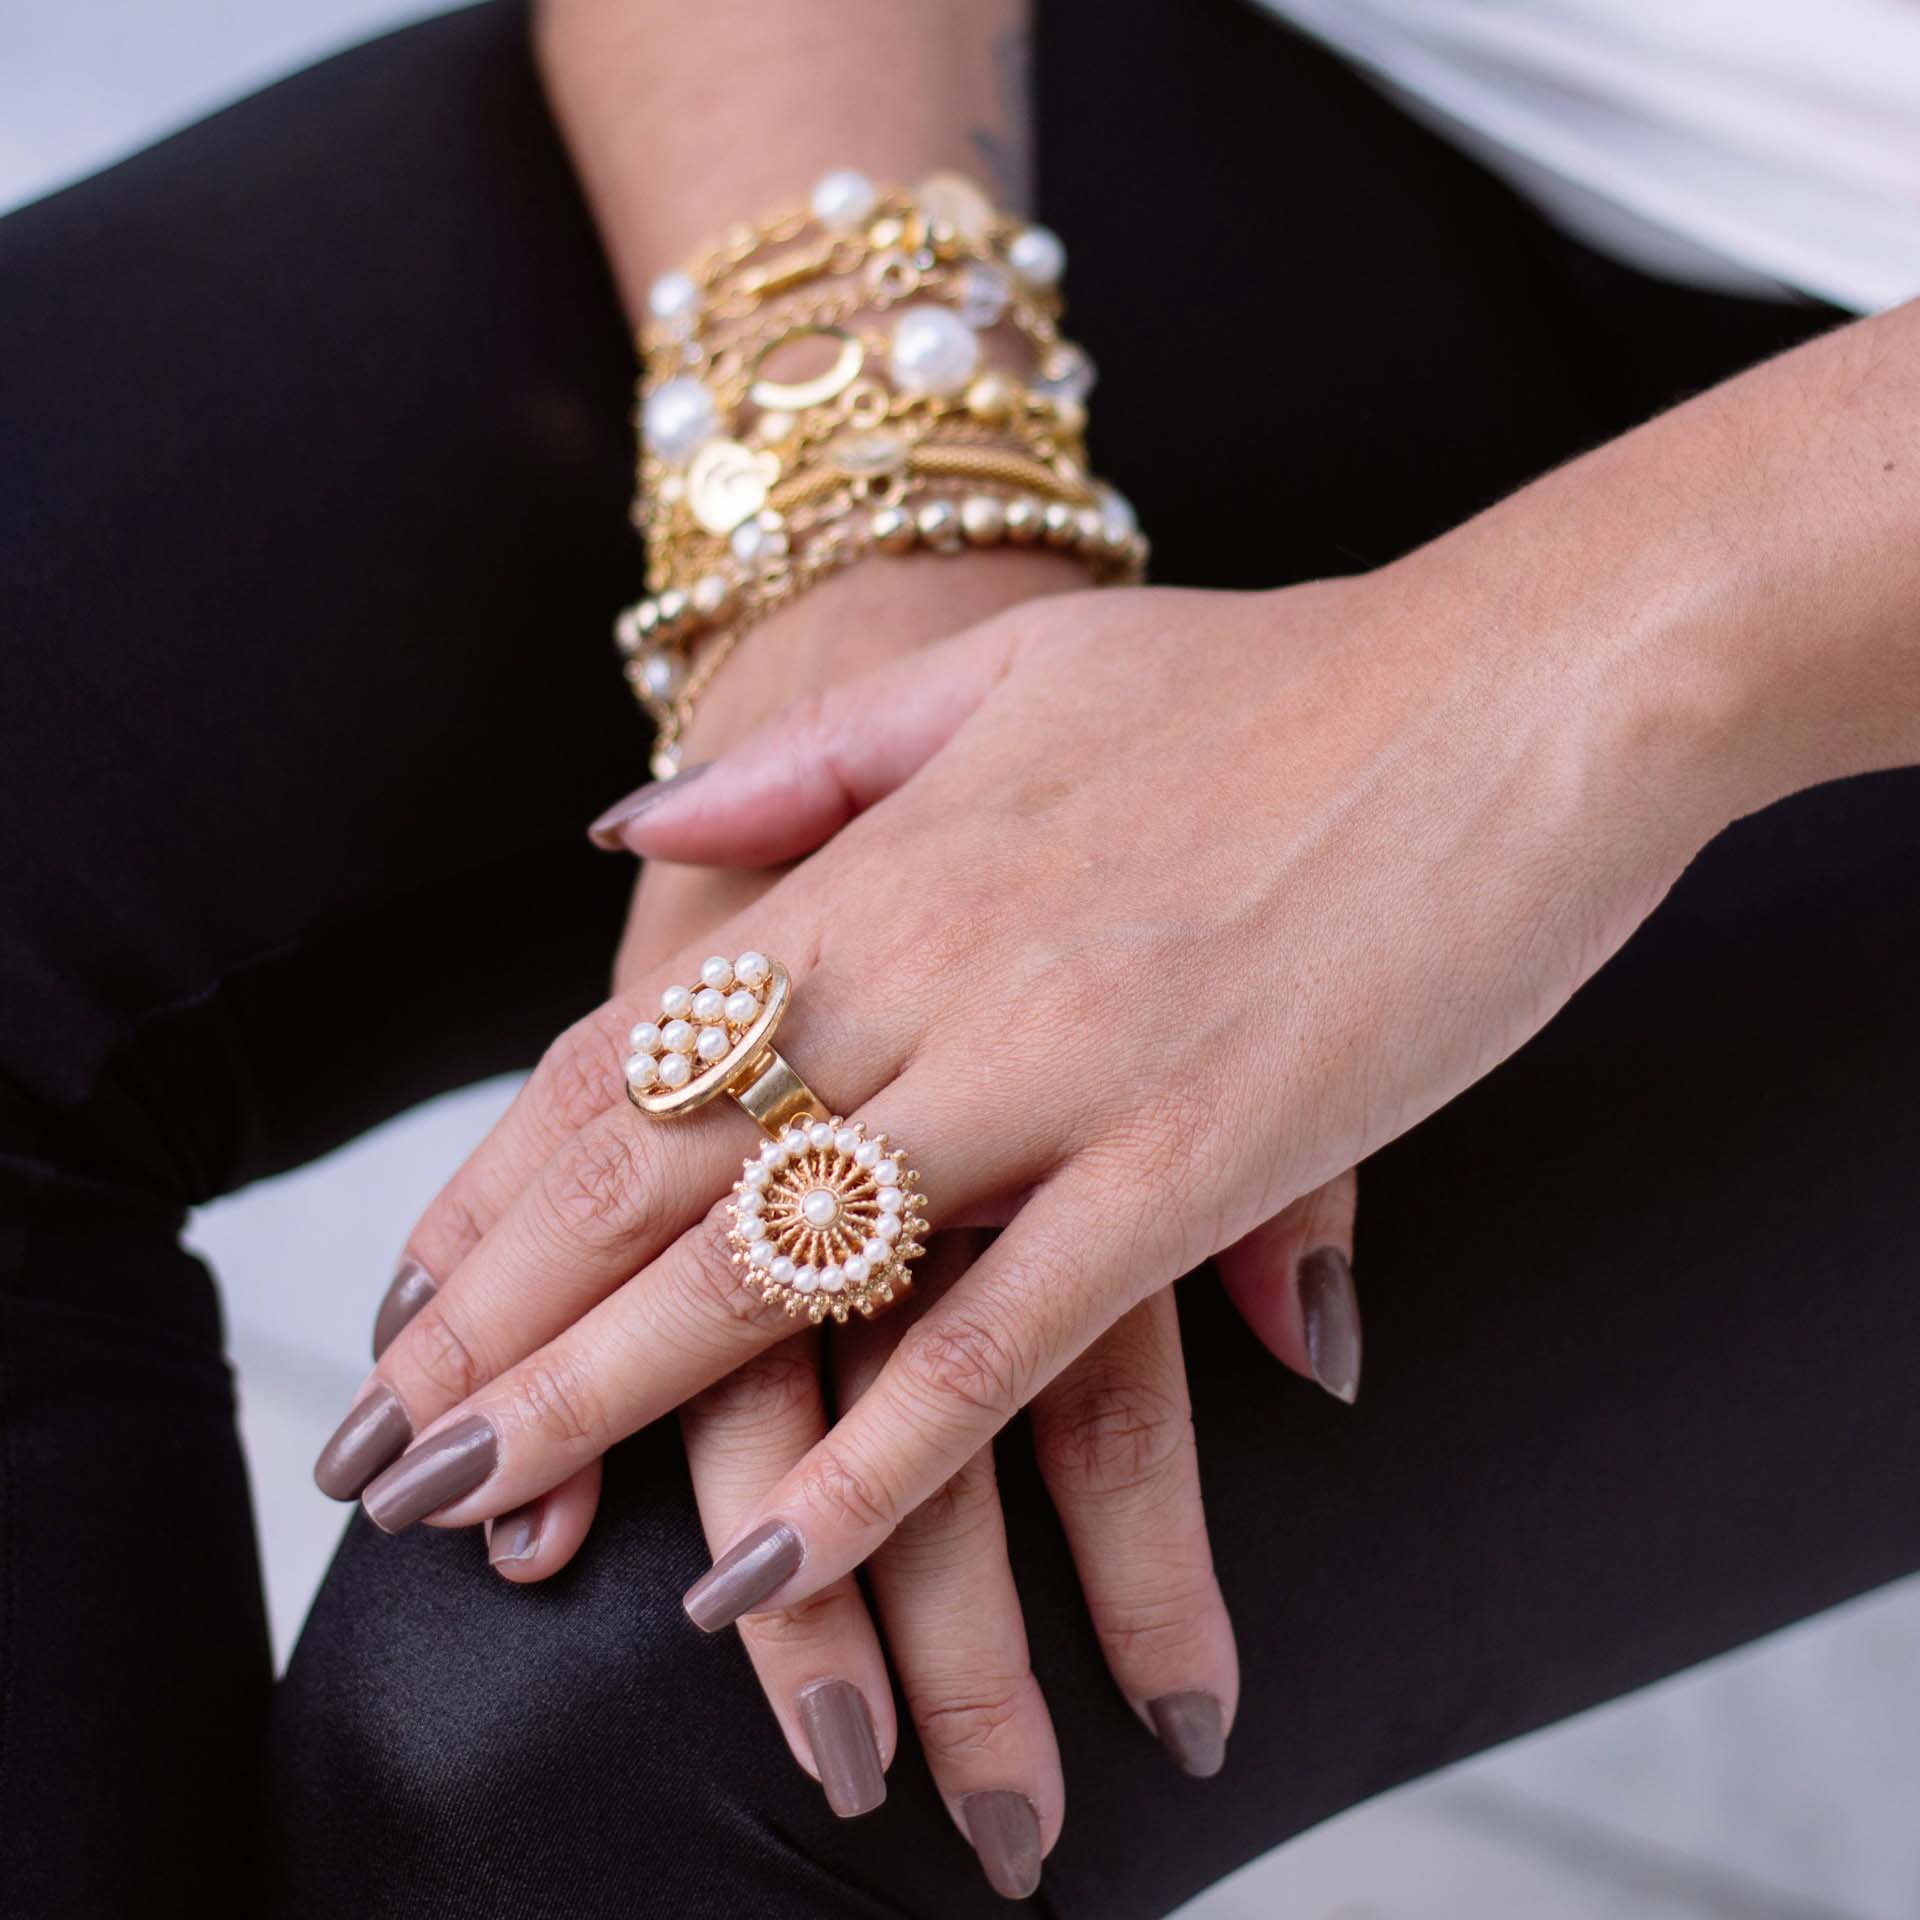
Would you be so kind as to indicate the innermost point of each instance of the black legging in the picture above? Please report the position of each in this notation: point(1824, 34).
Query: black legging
point(315, 473)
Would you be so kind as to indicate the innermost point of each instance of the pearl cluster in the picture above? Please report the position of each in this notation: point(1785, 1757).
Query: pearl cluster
point(755, 485)
point(698, 1026)
point(826, 1219)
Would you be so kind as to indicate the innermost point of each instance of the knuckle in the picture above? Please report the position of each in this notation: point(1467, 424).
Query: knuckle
point(966, 1357)
point(432, 1346)
point(956, 1725)
point(578, 1073)
point(1158, 1627)
point(953, 1510)
point(557, 1399)
point(1106, 1431)
point(718, 1282)
point(598, 1185)
point(833, 1483)
point(800, 1627)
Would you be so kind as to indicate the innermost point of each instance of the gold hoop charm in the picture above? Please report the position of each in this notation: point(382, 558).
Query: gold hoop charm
point(826, 1218)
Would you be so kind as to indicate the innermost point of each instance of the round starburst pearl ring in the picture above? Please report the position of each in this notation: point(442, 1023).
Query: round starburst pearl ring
point(826, 1218)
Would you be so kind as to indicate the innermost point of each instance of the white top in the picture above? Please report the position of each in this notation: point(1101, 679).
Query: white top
point(1752, 145)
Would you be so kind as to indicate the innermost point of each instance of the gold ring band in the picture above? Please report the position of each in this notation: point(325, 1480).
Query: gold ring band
point(826, 1218)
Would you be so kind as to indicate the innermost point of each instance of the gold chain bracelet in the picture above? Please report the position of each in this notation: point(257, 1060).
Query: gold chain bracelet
point(758, 476)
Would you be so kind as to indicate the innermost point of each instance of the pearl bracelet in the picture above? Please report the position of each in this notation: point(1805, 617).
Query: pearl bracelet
point(754, 484)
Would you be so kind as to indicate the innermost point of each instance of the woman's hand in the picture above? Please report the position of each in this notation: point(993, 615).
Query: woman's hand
point(1203, 897)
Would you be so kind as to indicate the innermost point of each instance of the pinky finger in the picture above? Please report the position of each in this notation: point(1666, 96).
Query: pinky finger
point(1292, 1280)
point(538, 1539)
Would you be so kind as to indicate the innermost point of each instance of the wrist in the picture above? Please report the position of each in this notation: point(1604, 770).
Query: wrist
point(863, 618)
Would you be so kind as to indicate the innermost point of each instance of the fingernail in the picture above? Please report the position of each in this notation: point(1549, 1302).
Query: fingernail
point(1332, 1315)
point(743, 1576)
point(438, 1471)
point(412, 1288)
point(1005, 1833)
point(372, 1434)
point(605, 832)
point(516, 1535)
point(846, 1754)
point(1192, 1731)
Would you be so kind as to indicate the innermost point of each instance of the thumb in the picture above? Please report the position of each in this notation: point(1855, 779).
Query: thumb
point(796, 781)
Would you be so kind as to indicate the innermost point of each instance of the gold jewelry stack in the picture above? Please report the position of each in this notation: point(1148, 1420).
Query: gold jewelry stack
point(902, 432)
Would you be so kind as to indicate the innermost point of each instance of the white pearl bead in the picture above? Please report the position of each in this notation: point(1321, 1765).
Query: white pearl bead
point(773, 1154)
point(678, 419)
point(717, 972)
point(675, 1070)
point(985, 294)
point(856, 1271)
point(709, 1005)
point(1069, 375)
point(752, 1227)
point(934, 351)
point(832, 1280)
point(887, 1172)
point(892, 1199)
point(1118, 521)
point(642, 1070)
point(755, 541)
point(1038, 256)
point(782, 1268)
point(843, 198)
point(875, 1252)
point(819, 1209)
point(888, 1226)
point(741, 1008)
point(794, 1139)
point(662, 675)
point(805, 1279)
point(677, 1037)
point(847, 1140)
point(712, 1044)
point(754, 1174)
point(752, 1200)
point(761, 1254)
point(753, 969)
point(644, 1038)
point(676, 1003)
point(820, 1135)
point(673, 299)
point(867, 1152)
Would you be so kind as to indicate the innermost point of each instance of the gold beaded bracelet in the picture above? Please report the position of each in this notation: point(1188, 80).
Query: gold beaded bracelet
point(751, 487)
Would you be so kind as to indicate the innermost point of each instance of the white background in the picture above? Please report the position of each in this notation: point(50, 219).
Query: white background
point(1782, 1783)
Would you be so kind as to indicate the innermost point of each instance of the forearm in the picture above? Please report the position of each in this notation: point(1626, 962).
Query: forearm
point(685, 120)
point(1738, 582)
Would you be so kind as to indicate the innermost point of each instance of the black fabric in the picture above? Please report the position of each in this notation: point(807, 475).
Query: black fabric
point(314, 514)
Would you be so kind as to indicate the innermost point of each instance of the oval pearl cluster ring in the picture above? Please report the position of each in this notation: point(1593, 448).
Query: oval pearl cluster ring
point(826, 1218)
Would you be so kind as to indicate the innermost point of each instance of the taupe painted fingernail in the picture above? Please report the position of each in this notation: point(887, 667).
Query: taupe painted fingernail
point(1192, 1730)
point(744, 1575)
point(846, 1752)
point(1332, 1314)
point(516, 1535)
point(1005, 1832)
point(605, 832)
point(374, 1431)
point(441, 1469)
point(412, 1288)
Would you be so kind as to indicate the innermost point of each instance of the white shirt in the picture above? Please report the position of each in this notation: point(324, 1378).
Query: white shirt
point(1752, 145)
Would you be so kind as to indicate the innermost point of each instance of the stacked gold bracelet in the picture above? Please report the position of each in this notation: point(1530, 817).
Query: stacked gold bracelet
point(756, 480)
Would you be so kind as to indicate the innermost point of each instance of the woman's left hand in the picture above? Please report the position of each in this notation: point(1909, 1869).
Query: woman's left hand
point(1193, 901)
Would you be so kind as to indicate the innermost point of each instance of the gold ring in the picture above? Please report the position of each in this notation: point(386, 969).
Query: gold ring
point(826, 1218)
